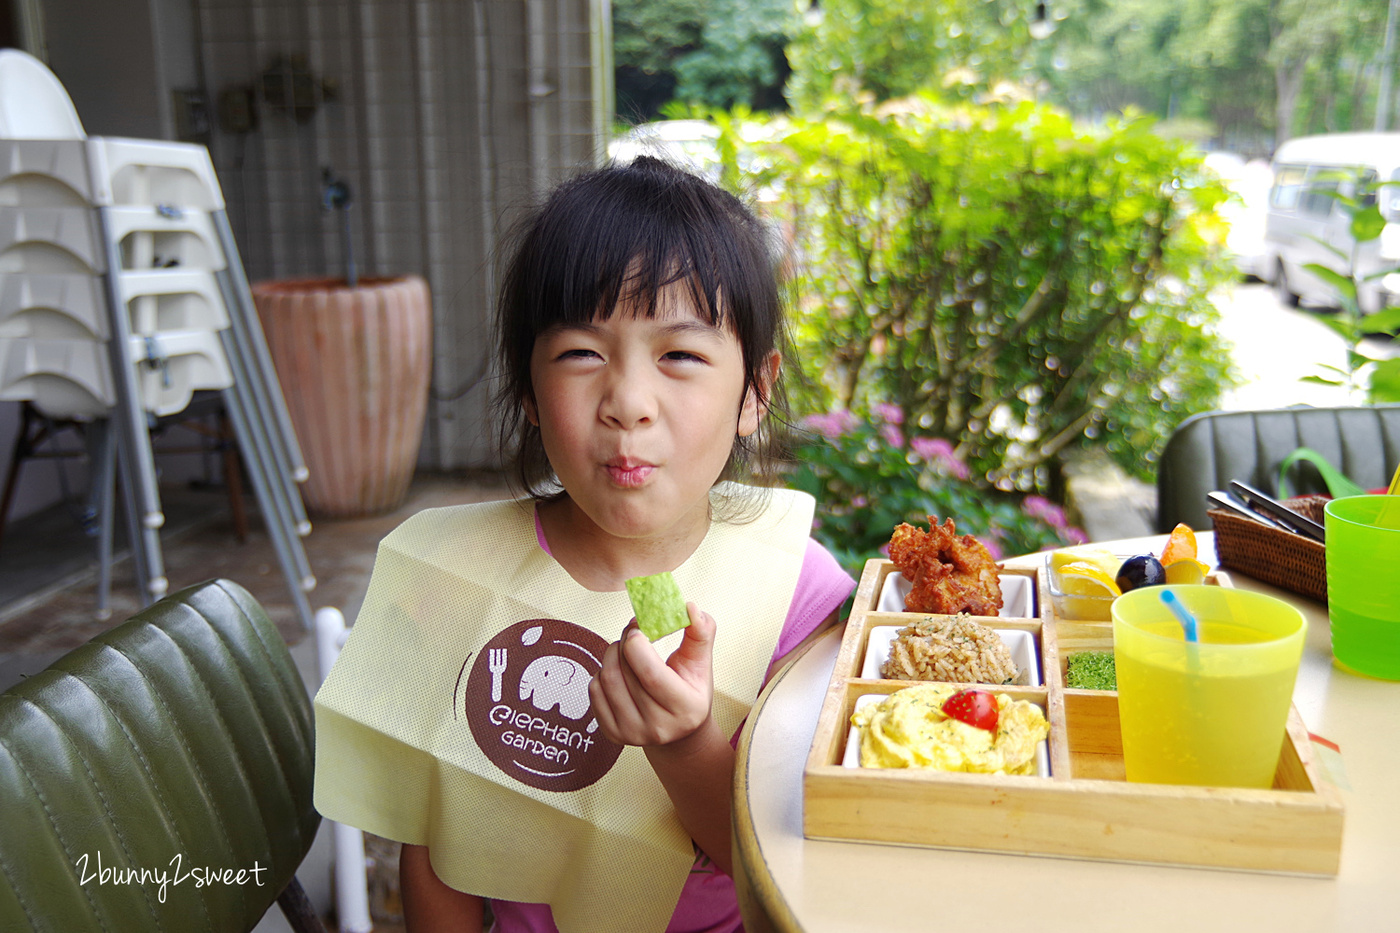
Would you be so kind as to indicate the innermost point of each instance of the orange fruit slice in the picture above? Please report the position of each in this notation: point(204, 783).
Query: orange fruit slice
point(1082, 578)
point(1187, 570)
point(1181, 545)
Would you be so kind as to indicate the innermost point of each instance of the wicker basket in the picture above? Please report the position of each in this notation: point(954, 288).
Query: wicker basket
point(1282, 558)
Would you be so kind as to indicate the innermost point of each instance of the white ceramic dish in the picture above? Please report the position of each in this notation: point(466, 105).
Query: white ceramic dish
point(852, 757)
point(1020, 644)
point(1017, 595)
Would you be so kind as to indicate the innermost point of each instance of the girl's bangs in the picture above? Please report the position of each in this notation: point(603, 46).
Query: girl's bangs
point(635, 284)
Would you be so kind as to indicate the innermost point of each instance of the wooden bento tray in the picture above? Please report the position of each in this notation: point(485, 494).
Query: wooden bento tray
point(1085, 808)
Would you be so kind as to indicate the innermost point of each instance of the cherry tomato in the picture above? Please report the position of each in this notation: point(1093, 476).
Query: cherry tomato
point(977, 708)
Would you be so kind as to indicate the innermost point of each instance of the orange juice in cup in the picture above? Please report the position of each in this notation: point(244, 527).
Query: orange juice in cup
point(1211, 712)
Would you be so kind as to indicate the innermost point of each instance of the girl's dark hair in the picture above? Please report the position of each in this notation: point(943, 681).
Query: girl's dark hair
point(619, 235)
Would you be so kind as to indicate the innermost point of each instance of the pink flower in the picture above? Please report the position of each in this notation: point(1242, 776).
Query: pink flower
point(931, 448)
point(832, 424)
point(1075, 535)
point(1045, 510)
point(890, 414)
point(891, 435)
point(993, 545)
point(935, 450)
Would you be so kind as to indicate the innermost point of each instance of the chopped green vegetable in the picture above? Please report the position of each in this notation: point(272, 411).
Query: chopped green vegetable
point(1092, 670)
point(658, 604)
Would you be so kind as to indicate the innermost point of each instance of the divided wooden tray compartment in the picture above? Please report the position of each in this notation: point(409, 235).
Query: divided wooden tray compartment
point(1085, 808)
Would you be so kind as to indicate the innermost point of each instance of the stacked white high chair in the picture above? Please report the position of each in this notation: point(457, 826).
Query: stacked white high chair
point(122, 294)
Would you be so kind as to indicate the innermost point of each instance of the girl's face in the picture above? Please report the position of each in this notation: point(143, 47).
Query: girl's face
point(638, 415)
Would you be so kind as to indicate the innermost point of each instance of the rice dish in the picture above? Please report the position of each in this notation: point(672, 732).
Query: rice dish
point(951, 649)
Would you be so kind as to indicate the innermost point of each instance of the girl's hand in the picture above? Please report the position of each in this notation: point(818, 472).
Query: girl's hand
point(641, 700)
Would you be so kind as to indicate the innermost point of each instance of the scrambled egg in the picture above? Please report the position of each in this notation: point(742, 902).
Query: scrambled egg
point(909, 730)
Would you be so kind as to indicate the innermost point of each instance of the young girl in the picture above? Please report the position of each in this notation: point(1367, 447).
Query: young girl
point(485, 711)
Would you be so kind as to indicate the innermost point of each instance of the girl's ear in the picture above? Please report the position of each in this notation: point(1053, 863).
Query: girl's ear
point(531, 412)
point(754, 407)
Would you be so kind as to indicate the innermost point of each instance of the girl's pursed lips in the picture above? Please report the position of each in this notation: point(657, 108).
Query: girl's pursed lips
point(624, 471)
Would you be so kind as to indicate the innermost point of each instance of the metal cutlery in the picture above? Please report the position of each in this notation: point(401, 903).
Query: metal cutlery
point(1281, 514)
point(1229, 503)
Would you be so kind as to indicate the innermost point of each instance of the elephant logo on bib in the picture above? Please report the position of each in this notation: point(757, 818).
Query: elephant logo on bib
point(526, 702)
point(554, 681)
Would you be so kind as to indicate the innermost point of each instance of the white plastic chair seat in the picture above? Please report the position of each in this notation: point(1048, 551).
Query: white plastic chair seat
point(64, 306)
point(62, 378)
point(35, 104)
point(44, 172)
point(143, 172)
point(178, 299)
point(50, 239)
point(72, 378)
point(184, 362)
point(186, 238)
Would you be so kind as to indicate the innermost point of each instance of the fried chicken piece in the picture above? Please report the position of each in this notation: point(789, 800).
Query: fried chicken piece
point(949, 573)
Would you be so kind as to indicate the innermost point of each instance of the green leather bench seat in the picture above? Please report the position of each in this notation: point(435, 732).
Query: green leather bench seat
point(1208, 450)
point(176, 742)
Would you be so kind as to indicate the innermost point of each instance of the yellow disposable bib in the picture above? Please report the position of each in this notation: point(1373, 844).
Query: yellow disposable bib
point(458, 717)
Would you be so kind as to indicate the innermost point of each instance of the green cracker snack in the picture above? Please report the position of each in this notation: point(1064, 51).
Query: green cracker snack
point(658, 604)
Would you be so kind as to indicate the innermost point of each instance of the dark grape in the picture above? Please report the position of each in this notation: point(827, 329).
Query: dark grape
point(1142, 570)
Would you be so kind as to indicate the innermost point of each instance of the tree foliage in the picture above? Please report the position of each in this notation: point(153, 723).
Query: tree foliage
point(1249, 72)
point(741, 59)
point(1254, 71)
point(712, 53)
point(892, 48)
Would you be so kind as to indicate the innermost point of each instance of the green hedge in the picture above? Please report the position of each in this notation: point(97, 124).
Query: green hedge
point(1013, 283)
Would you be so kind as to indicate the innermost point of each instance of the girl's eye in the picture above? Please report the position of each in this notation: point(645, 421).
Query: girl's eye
point(683, 356)
point(578, 353)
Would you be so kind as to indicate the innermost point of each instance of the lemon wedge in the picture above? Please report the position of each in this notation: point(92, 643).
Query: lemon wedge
point(1100, 557)
point(1082, 578)
point(1186, 570)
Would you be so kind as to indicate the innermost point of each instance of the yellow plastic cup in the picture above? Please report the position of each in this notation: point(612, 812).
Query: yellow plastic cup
point(1212, 712)
point(1363, 583)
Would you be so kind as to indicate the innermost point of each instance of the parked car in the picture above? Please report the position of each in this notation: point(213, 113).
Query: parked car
point(688, 143)
point(694, 144)
point(1305, 219)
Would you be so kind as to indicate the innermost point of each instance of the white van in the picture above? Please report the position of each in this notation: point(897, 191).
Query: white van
point(1303, 216)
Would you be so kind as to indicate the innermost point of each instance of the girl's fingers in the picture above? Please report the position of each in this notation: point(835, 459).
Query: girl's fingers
point(668, 689)
point(640, 666)
point(602, 711)
point(609, 689)
point(640, 699)
point(696, 651)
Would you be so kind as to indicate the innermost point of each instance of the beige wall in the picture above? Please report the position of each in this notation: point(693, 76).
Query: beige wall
point(447, 114)
point(120, 59)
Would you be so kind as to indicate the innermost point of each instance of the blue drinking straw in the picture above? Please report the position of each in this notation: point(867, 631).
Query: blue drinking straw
point(1188, 621)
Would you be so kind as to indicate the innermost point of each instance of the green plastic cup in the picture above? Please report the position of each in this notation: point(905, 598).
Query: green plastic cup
point(1363, 583)
point(1212, 712)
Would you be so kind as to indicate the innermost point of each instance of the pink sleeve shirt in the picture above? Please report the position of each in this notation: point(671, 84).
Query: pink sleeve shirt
point(707, 903)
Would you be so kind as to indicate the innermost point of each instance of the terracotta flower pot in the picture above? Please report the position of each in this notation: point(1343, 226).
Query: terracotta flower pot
point(354, 367)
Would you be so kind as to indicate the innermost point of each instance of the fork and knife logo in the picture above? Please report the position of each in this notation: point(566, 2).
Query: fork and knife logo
point(496, 664)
